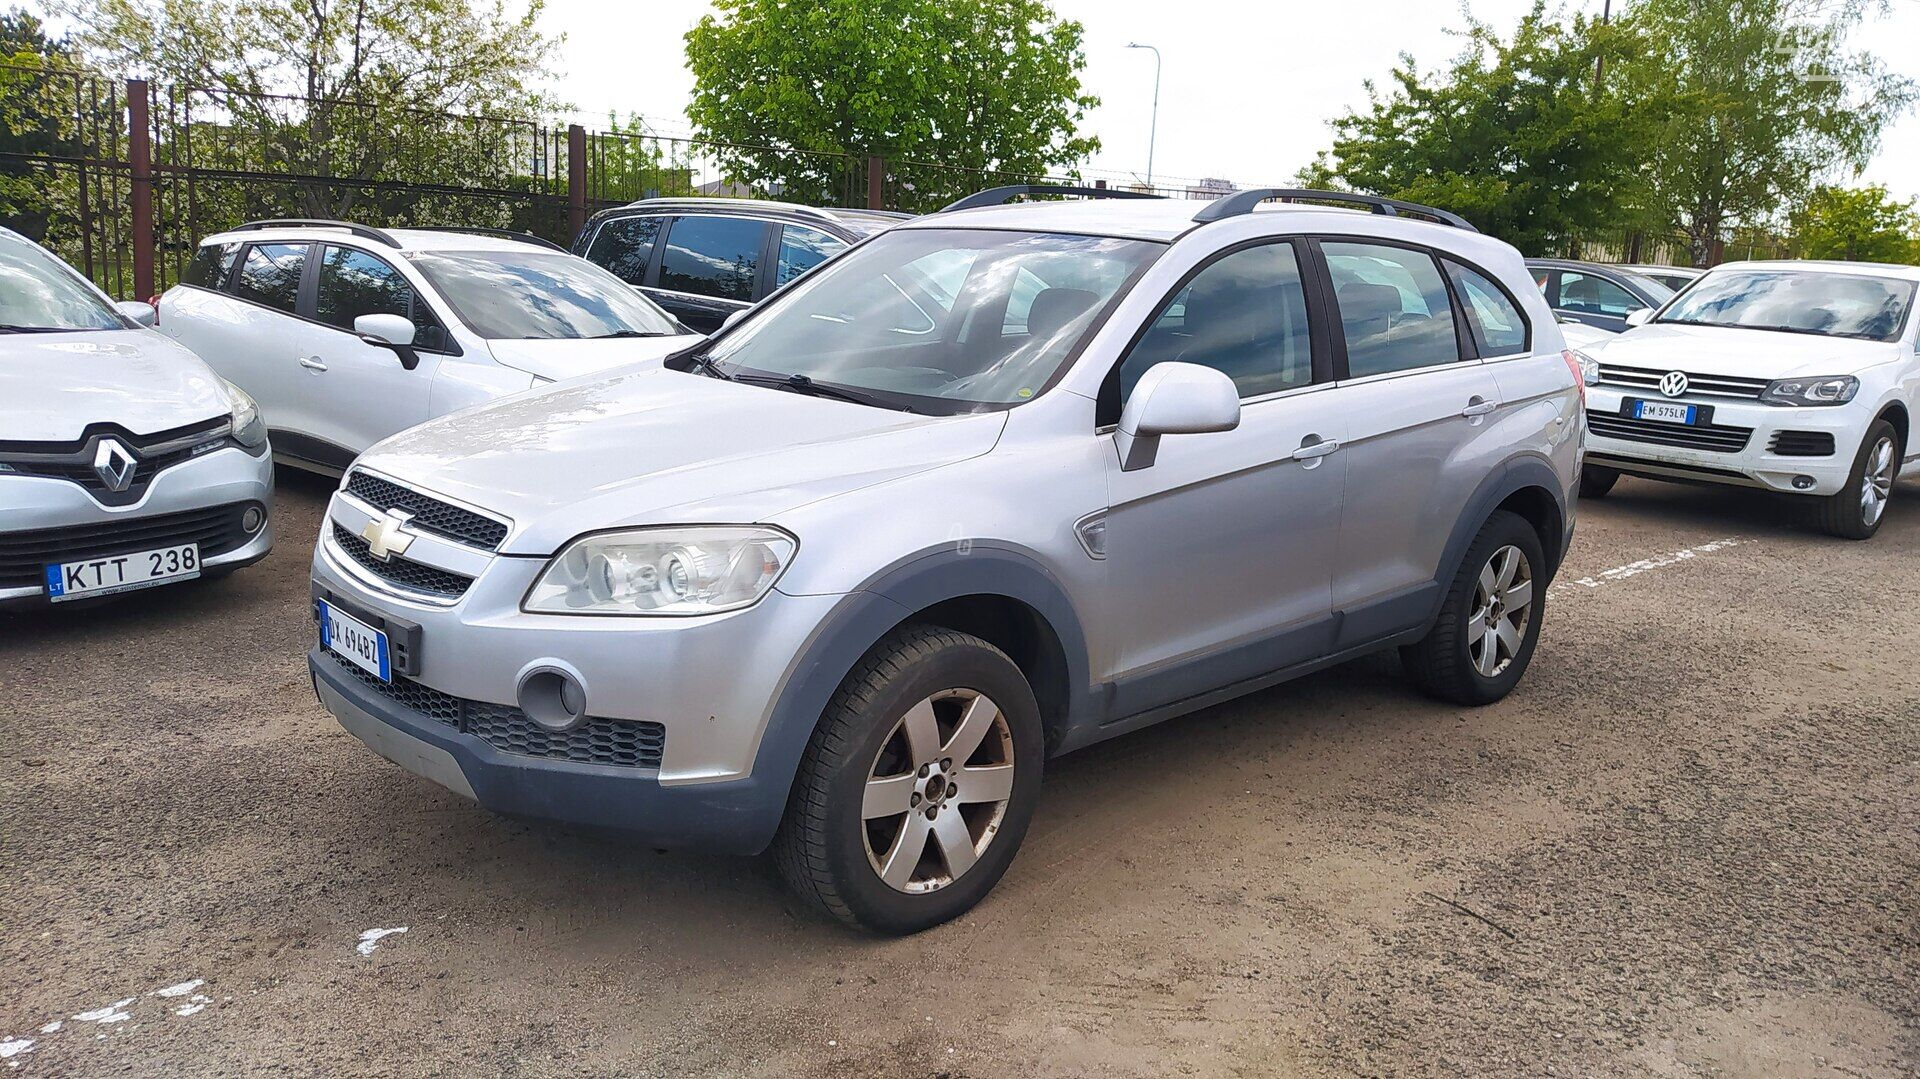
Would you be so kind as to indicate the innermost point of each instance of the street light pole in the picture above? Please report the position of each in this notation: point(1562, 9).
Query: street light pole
point(1153, 130)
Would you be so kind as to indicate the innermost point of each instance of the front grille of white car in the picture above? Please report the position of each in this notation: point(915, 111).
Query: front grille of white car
point(1642, 378)
point(1707, 436)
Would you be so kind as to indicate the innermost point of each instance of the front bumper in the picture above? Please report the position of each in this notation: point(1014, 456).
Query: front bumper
point(1756, 464)
point(225, 477)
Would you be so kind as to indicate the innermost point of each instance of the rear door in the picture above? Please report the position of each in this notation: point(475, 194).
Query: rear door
point(1418, 405)
point(710, 266)
point(623, 246)
point(259, 348)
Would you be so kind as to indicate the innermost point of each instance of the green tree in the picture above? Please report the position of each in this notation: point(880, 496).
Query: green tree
point(1751, 104)
point(1511, 136)
point(1861, 224)
point(800, 93)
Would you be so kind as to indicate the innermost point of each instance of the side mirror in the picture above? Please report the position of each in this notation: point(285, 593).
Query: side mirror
point(1174, 399)
point(733, 318)
point(390, 332)
point(139, 312)
point(1640, 317)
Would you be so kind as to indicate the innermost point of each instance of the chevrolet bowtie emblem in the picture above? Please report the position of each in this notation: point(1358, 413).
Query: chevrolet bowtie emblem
point(387, 536)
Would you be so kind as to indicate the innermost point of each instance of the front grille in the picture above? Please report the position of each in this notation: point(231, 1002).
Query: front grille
point(401, 572)
point(24, 555)
point(616, 742)
point(1641, 378)
point(1704, 436)
point(429, 514)
point(1802, 443)
point(73, 461)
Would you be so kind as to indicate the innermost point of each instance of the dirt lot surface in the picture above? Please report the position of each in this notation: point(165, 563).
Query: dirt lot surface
point(1689, 845)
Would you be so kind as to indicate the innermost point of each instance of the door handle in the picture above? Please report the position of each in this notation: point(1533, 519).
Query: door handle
point(1478, 406)
point(312, 363)
point(1313, 447)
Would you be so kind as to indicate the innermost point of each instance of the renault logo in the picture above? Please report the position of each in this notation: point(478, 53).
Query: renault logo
point(387, 536)
point(1674, 383)
point(114, 464)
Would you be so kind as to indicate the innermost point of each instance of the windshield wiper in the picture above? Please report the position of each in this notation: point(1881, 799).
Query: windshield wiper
point(803, 384)
point(705, 363)
point(626, 333)
point(44, 329)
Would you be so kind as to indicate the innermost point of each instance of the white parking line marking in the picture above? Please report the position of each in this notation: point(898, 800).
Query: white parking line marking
point(1647, 565)
point(370, 939)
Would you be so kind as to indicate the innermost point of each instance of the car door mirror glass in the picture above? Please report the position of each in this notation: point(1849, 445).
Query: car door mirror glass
point(1175, 399)
point(389, 331)
point(1640, 317)
point(138, 312)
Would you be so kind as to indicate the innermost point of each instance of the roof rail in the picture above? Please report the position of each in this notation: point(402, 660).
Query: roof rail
point(1243, 202)
point(994, 196)
point(365, 232)
point(504, 234)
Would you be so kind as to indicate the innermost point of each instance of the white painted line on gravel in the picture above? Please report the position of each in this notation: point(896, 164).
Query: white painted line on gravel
point(1647, 565)
point(180, 990)
point(370, 939)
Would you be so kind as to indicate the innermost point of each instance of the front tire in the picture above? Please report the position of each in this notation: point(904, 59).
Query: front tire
point(1857, 511)
point(918, 785)
point(1489, 621)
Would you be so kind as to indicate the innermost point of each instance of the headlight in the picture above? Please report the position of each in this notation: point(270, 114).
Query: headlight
point(248, 428)
point(670, 570)
point(1837, 390)
point(1589, 368)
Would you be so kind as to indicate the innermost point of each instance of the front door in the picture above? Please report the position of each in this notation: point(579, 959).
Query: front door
point(710, 267)
point(358, 394)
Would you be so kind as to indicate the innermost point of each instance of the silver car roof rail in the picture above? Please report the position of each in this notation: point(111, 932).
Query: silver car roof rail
point(1243, 202)
point(994, 196)
point(365, 232)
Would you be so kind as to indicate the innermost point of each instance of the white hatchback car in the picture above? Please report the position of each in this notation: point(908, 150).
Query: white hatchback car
point(1798, 377)
point(346, 334)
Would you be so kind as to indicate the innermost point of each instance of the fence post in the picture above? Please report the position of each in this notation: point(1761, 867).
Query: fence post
point(576, 181)
point(140, 171)
point(876, 183)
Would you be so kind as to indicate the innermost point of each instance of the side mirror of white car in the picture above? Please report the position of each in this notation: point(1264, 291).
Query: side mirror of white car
point(139, 312)
point(391, 332)
point(1174, 399)
point(1640, 317)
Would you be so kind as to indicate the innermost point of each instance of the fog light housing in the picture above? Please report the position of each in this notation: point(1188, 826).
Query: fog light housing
point(1803, 483)
point(553, 698)
point(253, 520)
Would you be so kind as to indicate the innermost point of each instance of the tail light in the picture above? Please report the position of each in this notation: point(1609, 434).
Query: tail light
point(1579, 376)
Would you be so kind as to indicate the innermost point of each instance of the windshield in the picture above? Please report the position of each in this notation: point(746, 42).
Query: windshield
point(1827, 304)
point(1656, 291)
point(540, 295)
point(942, 321)
point(39, 293)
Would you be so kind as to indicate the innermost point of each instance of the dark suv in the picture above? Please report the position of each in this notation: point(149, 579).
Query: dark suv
point(1595, 294)
point(704, 259)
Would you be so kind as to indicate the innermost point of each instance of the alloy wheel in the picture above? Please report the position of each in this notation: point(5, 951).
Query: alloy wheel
point(1502, 608)
point(937, 791)
point(1876, 486)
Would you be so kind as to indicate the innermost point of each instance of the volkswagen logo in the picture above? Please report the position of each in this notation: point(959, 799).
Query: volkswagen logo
point(113, 462)
point(1674, 383)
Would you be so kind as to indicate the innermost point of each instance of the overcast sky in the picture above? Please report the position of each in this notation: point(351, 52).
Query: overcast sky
point(1246, 90)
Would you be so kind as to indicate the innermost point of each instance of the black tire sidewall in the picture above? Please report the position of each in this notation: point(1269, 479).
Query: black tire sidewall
point(1844, 516)
point(1502, 530)
point(1597, 481)
point(969, 665)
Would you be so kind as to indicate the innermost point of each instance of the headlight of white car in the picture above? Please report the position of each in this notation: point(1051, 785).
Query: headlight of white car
point(669, 570)
point(1589, 367)
point(1834, 390)
point(248, 428)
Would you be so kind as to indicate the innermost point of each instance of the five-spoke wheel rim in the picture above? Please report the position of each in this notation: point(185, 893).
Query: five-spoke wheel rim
point(937, 791)
point(1877, 485)
point(1502, 609)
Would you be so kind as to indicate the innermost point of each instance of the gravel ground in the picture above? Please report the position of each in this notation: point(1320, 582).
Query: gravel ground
point(1689, 845)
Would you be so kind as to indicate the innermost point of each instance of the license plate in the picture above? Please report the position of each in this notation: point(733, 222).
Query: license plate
point(1664, 412)
point(361, 644)
point(122, 573)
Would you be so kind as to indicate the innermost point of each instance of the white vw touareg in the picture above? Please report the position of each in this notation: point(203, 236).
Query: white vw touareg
point(1798, 377)
point(995, 484)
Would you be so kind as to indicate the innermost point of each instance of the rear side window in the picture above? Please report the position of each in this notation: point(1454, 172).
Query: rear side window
point(713, 256)
point(624, 245)
point(270, 275)
point(1590, 295)
point(1499, 329)
point(1245, 315)
point(801, 249)
point(1394, 310)
point(210, 265)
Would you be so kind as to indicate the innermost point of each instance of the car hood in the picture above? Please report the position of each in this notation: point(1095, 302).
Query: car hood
point(1585, 338)
point(562, 358)
point(1722, 350)
point(653, 446)
point(52, 385)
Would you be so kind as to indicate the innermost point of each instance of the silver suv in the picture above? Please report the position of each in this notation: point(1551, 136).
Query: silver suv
point(994, 485)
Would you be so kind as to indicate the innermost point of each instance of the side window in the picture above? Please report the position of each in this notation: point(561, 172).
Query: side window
point(210, 265)
point(624, 245)
point(1394, 309)
point(353, 283)
point(1499, 329)
point(270, 275)
point(1592, 295)
point(801, 249)
point(1245, 315)
point(713, 256)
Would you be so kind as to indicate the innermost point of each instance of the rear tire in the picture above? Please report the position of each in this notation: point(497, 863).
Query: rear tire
point(1596, 482)
point(1858, 510)
point(918, 785)
point(1489, 622)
